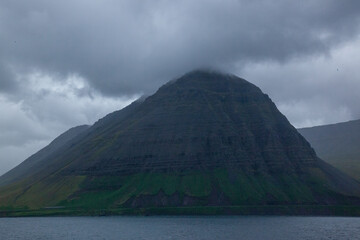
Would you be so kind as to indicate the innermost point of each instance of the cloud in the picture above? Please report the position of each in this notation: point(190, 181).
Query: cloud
point(11, 156)
point(320, 90)
point(7, 83)
point(44, 108)
point(65, 63)
point(124, 47)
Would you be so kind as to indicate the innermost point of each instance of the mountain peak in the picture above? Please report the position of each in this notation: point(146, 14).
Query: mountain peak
point(211, 81)
point(208, 75)
point(208, 72)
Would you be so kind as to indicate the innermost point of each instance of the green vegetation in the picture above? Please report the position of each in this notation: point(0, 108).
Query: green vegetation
point(80, 194)
point(255, 189)
point(41, 194)
point(124, 188)
point(196, 185)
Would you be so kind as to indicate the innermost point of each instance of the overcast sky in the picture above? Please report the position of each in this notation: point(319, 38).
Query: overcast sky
point(66, 63)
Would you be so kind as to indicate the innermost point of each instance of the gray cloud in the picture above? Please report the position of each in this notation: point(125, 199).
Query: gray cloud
point(124, 47)
point(42, 109)
point(65, 63)
point(7, 83)
point(317, 91)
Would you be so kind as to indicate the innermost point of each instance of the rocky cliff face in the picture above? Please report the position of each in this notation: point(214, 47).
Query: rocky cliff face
point(204, 139)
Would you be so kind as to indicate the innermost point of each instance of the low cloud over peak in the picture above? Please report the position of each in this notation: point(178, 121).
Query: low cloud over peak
point(123, 47)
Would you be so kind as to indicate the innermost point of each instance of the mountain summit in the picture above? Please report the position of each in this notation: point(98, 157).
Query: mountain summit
point(204, 139)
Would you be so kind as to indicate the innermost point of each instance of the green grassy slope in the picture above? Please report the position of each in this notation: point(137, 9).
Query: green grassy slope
point(165, 190)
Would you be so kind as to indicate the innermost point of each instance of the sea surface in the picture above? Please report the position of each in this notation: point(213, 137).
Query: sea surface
point(185, 228)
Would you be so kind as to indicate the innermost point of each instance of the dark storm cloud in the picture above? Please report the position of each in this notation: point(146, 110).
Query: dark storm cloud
point(124, 47)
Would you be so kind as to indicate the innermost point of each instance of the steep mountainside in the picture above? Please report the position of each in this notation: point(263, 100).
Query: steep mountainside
point(338, 144)
point(205, 139)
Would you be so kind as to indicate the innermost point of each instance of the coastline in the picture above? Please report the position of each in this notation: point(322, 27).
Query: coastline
point(261, 210)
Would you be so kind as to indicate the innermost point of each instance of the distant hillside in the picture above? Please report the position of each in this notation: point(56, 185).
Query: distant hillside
point(338, 144)
point(39, 160)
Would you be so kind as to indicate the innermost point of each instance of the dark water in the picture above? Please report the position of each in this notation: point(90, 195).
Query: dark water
point(186, 228)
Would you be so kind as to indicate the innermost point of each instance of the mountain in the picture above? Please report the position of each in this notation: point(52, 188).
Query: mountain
point(205, 139)
point(338, 144)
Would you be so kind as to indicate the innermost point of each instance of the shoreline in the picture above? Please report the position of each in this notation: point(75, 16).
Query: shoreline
point(256, 210)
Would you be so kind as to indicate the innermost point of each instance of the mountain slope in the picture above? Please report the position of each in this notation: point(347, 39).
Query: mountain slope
point(205, 139)
point(338, 144)
point(38, 161)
